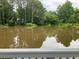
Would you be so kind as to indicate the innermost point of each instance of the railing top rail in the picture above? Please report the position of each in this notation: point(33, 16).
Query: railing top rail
point(39, 52)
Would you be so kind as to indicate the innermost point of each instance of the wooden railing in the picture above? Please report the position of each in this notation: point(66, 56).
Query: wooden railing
point(70, 53)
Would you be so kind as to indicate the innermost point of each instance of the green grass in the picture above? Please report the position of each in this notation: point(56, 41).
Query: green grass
point(30, 25)
point(68, 25)
point(61, 25)
point(65, 25)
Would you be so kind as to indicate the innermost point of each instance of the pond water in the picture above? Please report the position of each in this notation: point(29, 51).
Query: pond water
point(38, 37)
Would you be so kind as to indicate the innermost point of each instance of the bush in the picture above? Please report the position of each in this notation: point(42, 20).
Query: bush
point(31, 25)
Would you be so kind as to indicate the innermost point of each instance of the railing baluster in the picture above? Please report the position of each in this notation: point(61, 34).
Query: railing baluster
point(18, 58)
point(64, 58)
point(39, 57)
point(32, 57)
point(76, 58)
point(71, 58)
point(57, 58)
point(14, 58)
point(44, 57)
point(50, 58)
point(26, 58)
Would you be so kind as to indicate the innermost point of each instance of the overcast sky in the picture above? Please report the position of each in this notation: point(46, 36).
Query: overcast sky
point(53, 4)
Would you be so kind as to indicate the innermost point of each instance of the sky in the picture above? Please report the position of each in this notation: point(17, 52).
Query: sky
point(51, 5)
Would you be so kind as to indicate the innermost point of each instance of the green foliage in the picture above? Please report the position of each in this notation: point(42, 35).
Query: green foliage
point(21, 16)
point(65, 25)
point(76, 16)
point(32, 12)
point(51, 18)
point(31, 25)
point(65, 11)
point(7, 15)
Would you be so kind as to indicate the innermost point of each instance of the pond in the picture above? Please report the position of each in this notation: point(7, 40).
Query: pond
point(38, 37)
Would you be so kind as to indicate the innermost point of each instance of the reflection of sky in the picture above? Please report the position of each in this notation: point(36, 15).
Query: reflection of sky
point(51, 42)
point(52, 4)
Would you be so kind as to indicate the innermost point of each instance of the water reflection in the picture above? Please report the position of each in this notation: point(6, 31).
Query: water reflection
point(65, 36)
point(23, 37)
point(51, 42)
point(18, 43)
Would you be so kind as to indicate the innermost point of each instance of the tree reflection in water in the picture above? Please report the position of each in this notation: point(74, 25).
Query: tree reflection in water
point(23, 37)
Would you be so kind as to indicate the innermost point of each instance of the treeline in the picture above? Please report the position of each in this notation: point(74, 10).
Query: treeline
point(22, 12)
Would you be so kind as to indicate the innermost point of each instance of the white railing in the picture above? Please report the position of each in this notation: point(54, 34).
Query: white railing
point(43, 53)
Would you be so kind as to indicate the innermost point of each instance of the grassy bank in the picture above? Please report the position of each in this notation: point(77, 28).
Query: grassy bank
point(68, 25)
point(62, 25)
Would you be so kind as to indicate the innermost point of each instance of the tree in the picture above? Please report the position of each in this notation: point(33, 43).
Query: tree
point(51, 18)
point(33, 12)
point(21, 16)
point(6, 13)
point(20, 12)
point(76, 16)
point(72, 19)
point(65, 11)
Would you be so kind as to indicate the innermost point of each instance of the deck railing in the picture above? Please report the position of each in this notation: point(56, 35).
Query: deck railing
point(40, 53)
